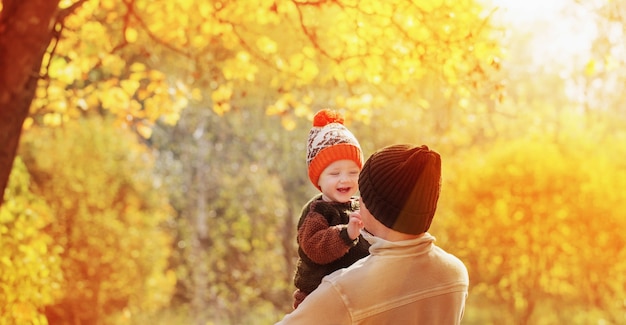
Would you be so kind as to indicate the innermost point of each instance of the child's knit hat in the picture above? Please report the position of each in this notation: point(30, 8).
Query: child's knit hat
point(329, 141)
point(400, 187)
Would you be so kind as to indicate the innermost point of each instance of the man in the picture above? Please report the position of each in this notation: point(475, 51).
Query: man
point(406, 279)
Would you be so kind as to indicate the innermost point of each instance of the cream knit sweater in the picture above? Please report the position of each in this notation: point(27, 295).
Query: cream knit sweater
point(406, 282)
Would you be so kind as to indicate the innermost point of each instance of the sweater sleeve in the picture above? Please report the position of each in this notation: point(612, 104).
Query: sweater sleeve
point(323, 243)
point(323, 306)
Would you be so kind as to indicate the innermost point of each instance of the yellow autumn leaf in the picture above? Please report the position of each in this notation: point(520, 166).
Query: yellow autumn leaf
point(107, 4)
point(114, 64)
point(288, 122)
point(156, 75)
point(58, 105)
point(28, 123)
point(62, 4)
point(170, 118)
point(301, 109)
point(241, 67)
point(590, 68)
point(52, 119)
point(144, 130)
point(62, 71)
point(266, 45)
point(309, 71)
point(130, 86)
point(221, 108)
point(196, 94)
point(222, 93)
point(131, 35)
point(272, 110)
point(137, 67)
point(114, 99)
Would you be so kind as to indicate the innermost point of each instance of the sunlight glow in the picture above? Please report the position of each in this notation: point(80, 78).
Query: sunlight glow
point(560, 29)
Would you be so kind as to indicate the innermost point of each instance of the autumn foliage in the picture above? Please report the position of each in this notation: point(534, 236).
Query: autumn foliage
point(161, 163)
point(105, 223)
point(30, 259)
point(539, 226)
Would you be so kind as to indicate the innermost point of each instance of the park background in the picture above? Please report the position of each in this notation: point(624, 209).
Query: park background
point(161, 161)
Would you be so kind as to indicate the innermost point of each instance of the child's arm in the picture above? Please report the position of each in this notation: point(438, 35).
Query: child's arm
point(323, 243)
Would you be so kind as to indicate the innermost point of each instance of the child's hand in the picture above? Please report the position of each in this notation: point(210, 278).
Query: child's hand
point(355, 225)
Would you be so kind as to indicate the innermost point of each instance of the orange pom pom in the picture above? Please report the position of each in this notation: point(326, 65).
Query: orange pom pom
point(327, 116)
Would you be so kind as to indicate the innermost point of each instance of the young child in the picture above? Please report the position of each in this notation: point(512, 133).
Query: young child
point(328, 238)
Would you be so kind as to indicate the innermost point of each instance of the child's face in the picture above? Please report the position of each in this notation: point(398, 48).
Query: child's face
point(339, 181)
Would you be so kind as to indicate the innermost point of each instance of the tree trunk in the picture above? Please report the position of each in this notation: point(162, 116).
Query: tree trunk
point(26, 29)
point(200, 268)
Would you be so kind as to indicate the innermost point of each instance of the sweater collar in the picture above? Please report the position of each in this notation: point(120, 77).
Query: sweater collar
point(416, 246)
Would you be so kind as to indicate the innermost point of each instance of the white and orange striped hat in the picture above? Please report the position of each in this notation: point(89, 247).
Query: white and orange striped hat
point(329, 141)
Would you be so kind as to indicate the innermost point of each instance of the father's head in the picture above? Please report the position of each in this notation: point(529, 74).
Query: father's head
point(400, 187)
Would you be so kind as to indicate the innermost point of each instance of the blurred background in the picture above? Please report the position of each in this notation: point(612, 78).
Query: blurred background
point(152, 153)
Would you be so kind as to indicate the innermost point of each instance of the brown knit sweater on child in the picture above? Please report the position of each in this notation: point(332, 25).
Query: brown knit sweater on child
point(323, 243)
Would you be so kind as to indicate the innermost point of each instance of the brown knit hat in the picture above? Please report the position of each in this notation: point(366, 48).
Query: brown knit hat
point(400, 186)
point(329, 141)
